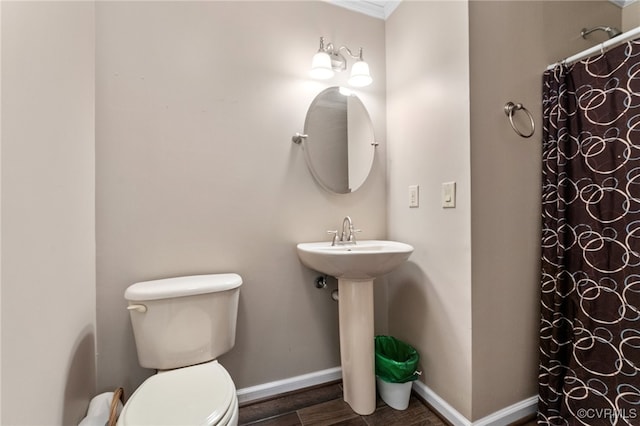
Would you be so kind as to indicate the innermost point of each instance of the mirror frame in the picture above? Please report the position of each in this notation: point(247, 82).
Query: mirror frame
point(364, 140)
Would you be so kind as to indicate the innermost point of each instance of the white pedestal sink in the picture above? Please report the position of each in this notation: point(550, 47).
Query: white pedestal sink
point(355, 266)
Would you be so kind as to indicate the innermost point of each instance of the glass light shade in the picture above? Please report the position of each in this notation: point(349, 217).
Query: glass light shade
point(321, 66)
point(360, 76)
point(345, 91)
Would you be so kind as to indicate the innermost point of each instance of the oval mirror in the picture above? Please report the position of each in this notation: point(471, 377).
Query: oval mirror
point(340, 144)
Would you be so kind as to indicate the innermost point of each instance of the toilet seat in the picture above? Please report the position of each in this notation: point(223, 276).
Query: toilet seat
point(202, 394)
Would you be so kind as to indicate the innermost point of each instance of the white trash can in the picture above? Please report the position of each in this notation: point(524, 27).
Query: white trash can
point(395, 395)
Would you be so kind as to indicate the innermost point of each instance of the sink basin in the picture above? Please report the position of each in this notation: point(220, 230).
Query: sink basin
point(355, 266)
point(364, 260)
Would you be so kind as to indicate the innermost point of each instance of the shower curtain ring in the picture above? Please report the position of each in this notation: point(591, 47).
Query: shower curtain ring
point(509, 110)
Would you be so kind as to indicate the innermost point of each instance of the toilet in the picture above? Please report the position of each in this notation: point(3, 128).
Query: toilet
point(181, 325)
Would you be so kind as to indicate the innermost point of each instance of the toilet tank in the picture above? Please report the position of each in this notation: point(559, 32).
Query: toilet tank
point(183, 321)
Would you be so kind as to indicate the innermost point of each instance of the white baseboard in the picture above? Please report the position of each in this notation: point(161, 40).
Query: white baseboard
point(440, 405)
point(510, 414)
point(254, 393)
point(501, 417)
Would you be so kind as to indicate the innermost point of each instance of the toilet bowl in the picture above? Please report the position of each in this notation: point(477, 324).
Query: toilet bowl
point(199, 395)
point(180, 326)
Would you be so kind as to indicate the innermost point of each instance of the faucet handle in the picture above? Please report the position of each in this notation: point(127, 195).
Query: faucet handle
point(352, 232)
point(335, 237)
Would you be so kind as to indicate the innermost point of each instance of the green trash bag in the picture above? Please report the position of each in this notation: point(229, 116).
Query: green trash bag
point(396, 361)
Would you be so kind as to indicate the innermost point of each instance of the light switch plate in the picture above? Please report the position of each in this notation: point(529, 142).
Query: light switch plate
point(448, 195)
point(414, 196)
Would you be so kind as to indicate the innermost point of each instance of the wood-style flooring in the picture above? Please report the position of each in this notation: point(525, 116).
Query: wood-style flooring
point(323, 406)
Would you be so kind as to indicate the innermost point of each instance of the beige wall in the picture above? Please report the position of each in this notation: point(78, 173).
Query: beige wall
point(1, 211)
point(505, 195)
point(631, 16)
point(428, 135)
point(196, 172)
point(505, 183)
point(195, 105)
point(468, 299)
point(48, 244)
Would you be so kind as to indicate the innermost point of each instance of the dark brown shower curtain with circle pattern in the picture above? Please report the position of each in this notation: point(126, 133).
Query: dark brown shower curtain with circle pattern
point(590, 308)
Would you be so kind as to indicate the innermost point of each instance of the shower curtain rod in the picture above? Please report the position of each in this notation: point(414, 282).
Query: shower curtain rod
point(622, 38)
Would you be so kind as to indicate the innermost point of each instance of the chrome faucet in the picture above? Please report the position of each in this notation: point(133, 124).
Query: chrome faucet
point(347, 236)
point(347, 225)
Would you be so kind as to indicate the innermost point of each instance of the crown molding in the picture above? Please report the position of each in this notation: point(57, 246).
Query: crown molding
point(380, 9)
point(622, 3)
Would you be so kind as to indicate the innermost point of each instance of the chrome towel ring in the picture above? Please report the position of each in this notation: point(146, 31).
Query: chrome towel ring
point(509, 109)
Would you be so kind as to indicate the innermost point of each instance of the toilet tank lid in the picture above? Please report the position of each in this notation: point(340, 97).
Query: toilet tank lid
point(182, 286)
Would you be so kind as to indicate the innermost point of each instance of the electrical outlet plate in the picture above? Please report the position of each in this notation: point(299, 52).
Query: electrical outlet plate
point(414, 196)
point(448, 195)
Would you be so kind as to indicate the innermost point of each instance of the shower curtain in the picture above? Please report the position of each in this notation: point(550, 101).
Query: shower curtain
point(590, 309)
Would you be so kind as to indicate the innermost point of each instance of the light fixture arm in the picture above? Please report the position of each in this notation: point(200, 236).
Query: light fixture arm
point(322, 48)
point(358, 56)
point(330, 48)
point(328, 60)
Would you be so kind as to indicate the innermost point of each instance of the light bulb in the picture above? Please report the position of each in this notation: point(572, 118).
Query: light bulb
point(321, 66)
point(360, 76)
point(345, 91)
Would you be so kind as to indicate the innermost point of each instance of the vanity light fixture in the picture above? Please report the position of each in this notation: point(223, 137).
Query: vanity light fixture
point(329, 60)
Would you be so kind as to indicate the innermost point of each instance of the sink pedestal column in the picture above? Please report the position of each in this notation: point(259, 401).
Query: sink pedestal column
point(355, 307)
